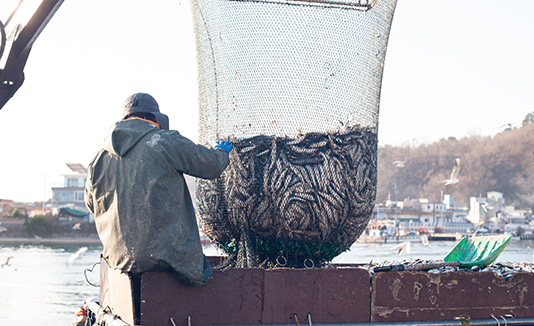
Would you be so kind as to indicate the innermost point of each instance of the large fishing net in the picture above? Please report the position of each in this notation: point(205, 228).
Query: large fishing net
point(295, 86)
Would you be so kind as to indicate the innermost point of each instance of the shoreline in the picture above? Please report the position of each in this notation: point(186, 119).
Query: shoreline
point(51, 240)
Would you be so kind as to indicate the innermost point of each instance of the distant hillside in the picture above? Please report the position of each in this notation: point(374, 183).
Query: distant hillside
point(504, 163)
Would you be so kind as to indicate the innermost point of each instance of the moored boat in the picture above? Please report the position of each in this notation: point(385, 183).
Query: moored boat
point(445, 236)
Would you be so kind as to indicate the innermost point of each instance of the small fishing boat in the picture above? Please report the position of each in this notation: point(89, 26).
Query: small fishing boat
point(445, 236)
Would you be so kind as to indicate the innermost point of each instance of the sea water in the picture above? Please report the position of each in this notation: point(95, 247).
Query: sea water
point(37, 287)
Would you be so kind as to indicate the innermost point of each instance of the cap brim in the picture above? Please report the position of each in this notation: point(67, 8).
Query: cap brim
point(163, 120)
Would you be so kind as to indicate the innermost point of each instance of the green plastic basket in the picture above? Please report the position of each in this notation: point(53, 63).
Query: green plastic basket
point(478, 251)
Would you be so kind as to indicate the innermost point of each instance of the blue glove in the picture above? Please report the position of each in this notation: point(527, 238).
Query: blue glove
point(224, 145)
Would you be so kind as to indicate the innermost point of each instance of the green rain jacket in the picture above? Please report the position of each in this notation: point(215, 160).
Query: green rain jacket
point(143, 210)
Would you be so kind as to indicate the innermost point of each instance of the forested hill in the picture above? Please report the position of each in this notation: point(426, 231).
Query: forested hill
point(503, 163)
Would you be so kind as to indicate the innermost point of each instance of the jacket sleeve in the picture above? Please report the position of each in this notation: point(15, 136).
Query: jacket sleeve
point(89, 183)
point(193, 159)
point(89, 193)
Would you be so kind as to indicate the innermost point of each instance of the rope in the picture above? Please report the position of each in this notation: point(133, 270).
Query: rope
point(296, 319)
point(90, 270)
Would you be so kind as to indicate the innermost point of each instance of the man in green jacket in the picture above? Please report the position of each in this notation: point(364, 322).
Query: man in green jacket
point(137, 191)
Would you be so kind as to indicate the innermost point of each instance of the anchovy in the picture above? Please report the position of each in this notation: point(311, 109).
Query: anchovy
point(318, 188)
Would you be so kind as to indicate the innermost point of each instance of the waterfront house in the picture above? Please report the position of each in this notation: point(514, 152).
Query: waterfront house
point(5, 206)
point(71, 194)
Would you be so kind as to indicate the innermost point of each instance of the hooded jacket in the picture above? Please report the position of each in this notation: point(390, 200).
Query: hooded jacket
point(143, 209)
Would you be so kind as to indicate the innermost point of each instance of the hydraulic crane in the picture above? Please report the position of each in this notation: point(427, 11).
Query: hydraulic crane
point(18, 33)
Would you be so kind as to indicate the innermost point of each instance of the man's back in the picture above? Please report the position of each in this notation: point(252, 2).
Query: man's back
point(143, 209)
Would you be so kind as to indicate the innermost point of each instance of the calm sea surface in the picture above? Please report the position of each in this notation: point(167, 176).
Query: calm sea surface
point(38, 288)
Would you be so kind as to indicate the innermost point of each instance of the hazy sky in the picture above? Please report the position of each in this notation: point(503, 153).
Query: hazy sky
point(452, 69)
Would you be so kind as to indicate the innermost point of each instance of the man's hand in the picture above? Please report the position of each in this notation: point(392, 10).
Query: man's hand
point(224, 145)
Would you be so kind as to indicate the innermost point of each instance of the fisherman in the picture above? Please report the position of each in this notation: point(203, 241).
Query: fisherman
point(137, 191)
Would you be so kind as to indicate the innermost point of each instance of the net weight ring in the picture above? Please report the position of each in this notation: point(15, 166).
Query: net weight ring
point(279, 260)
point(308, 263)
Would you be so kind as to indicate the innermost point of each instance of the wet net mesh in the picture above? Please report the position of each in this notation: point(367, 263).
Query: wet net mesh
point(295, 86)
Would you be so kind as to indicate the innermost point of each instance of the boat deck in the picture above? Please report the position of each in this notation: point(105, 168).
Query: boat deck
point(340, 295)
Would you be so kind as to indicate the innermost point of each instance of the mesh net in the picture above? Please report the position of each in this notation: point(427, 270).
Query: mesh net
point(295, 86)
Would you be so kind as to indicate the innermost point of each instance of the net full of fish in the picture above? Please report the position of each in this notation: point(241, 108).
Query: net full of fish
point(292, 201)
point(275, 77)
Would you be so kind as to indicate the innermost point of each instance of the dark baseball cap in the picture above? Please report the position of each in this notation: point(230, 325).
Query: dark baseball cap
point(139, 103)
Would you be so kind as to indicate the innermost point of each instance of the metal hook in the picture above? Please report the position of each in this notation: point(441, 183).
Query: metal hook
point(309, 319)
point(172, 321)
point(189, 320)
point(498, 323)
point(306, 265)
point(504, 320)
point(278, 261)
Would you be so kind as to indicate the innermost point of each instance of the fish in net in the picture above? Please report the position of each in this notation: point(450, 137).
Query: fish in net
point(295, 202)
point(275, 78)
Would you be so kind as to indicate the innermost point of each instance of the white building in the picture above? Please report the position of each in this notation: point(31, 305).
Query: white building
point(483, 209)
point(71, 194)
point(448, 200)
point(433, 207)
